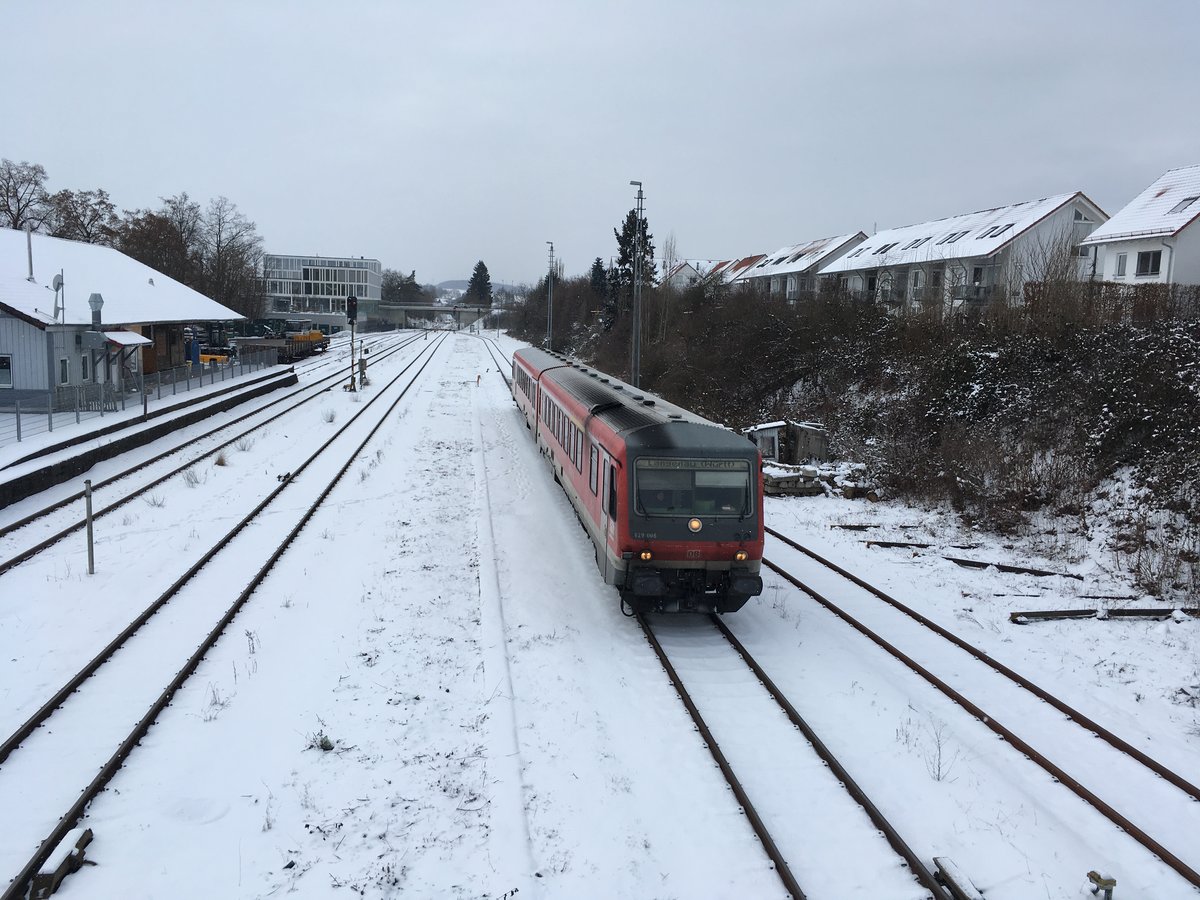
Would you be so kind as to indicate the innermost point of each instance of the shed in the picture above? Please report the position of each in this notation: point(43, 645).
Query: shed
point(790, 442)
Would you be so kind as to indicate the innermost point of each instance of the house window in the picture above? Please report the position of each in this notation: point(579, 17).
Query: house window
point(1148, 262)
point(935, 278)
point(1183, 204)
point(85, 367)
point(1119, 272)
point(64, 371)
point(5, 371)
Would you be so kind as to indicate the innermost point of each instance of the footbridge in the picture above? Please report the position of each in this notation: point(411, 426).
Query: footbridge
point(414, 315)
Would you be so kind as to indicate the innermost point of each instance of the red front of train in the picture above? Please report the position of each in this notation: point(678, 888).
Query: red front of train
point(672, 503)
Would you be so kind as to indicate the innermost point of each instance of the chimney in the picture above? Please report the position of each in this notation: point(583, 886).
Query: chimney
point(29, 247)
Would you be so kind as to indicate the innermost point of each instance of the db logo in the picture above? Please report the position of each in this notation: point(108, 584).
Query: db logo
point(693, 554)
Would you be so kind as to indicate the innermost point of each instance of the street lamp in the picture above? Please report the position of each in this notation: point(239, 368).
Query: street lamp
point(635, 365)
point(550, 301)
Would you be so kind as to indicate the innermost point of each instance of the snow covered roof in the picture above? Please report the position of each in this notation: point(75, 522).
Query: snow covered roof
point(799, 257)
point(767, 426)
point(729, 269)
point(1168, 206)
point(29, 301)
point(133, 293)
point(981, 233)
point(126, 338)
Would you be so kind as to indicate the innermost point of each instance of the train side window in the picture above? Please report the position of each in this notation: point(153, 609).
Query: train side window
point(593, 471)
point(612, 491)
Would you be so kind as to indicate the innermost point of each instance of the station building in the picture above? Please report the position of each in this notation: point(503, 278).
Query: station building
point(51, 338)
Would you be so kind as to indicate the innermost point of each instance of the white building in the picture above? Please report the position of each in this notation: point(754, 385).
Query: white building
point(314, 285)
point(1154, 238)
point(791, 272)
point(46, 336)
point(968, 258)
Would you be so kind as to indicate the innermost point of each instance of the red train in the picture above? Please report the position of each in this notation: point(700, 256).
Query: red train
point(673, 503)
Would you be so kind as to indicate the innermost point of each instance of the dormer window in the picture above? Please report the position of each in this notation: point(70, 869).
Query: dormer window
point(952, 237)
point(1183, 204)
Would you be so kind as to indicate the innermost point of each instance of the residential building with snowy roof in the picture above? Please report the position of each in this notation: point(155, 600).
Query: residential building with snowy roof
point(1154, 238)
point(791, 272)
point(684, 273)
point(728, 270)
point(973, 257)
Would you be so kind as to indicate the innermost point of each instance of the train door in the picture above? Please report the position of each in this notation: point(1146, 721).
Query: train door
point(608, 493)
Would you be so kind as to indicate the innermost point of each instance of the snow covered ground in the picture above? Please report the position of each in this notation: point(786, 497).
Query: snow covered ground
point(434, 695)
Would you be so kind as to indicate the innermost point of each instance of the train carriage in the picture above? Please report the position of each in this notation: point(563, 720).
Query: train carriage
point(671, 501)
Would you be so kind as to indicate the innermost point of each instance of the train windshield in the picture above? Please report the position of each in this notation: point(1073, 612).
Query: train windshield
point(694, 487)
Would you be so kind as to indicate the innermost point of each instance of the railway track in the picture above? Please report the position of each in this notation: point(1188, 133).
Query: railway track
point(66, 727)
point(848, 817)
point(292, 401)
point(1126, 770)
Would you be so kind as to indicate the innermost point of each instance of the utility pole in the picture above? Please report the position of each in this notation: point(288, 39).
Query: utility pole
point(635, 365)
point(550, 300)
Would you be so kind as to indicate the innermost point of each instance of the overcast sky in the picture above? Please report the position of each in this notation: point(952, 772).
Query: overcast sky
point(431, 135)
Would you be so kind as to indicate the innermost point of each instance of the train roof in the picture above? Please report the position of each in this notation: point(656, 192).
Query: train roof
point(658, 423)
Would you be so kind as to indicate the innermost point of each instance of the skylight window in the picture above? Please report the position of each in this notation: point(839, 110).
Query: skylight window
point(885, 248)
point(1183, 204)
point(857, 252)
point(952, 237)
point(986, 232)
point(917, 242)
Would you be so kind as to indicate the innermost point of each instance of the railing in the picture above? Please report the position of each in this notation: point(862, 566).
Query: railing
point(974, 292)
point(25, 413)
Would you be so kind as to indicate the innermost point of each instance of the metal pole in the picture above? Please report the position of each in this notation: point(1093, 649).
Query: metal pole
point(50, 410)
point(635, 366)
point(18, 421)
point(550, 301)
point(87, 498)
point(77, 390)
point(351, 356)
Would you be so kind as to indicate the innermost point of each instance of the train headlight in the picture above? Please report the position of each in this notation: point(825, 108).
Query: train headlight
point(695, 524)
point(740, 556)
point(646, 556)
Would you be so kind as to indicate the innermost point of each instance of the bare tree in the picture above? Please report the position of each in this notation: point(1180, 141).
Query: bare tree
point(231, 255)
point(23, 199)
point(87, 216)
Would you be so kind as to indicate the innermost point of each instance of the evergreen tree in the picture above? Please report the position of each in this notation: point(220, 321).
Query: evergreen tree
point(625, 253)
point(599, 279)
point(479, 288)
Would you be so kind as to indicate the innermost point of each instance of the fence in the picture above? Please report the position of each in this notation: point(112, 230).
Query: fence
point(27, 413)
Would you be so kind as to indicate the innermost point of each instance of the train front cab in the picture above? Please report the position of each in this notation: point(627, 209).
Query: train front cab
point(694, 532)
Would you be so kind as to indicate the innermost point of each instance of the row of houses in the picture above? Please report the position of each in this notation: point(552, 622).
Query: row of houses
point(972, 257)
